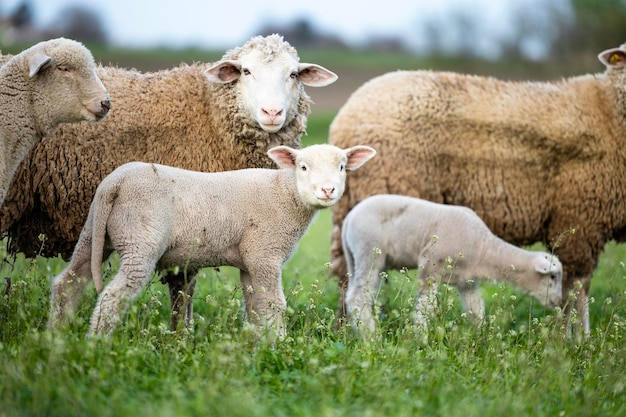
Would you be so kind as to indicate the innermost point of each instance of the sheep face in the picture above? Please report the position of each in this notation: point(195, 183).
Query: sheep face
point(547, 287)
point(269, 87)
point(63, 73)
point(320, 170)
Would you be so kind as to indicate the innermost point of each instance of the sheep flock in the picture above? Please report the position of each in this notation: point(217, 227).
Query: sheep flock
point(204, 117)
point(201, 164)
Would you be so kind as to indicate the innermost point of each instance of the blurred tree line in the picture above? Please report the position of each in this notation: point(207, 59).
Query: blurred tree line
point(597, 25)
point(566, 30)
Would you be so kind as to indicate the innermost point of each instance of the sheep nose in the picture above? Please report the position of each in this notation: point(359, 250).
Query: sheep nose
point(328, 190)
point(272, 113)
point(105, 106)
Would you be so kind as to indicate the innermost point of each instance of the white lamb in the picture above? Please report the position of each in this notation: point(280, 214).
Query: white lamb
point(446, 243)
point(157, 216)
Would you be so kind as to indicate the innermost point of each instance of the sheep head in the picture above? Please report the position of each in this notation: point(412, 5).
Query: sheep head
point(320, 170)
point(549, 275)
point(62, 73)
point(269, 79)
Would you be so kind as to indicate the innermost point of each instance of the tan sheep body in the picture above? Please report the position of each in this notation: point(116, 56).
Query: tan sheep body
point(533, 159)
point(174, 117)
point(47, 84)
point(386, 232)
point(162, 217)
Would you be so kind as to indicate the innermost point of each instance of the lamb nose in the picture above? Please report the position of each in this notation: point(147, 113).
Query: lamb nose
point(328, 190)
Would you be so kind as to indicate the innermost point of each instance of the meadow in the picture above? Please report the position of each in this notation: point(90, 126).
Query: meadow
point(519, 362)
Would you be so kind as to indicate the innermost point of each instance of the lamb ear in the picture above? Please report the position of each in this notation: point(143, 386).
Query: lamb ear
point(284, 156)
point(36, 62)
point(224, 72)
point(358, 155)
point(315, 75)
point(542, 265)
point(613, 58)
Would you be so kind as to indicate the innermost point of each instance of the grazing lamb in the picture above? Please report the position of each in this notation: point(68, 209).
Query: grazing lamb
point(50, 83)
point(393, 232)
point(202, 117)
point(160, 216)
point(533, 159)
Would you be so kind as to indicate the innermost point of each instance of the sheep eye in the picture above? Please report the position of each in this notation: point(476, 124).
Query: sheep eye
point(303, 168)
point(245, 71)
point(341, 168)
point(63, 68)
point(293, 75)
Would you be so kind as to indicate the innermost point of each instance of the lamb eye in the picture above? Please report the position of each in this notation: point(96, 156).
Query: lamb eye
point(245, 71)
point(293, 75)
point(341, 168)
point(303, 168)
point(64, 69)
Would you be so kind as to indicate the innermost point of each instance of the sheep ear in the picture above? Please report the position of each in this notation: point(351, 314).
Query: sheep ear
point(542, 265)
point(284, 156)
point(224, 72)
point(613, 58)
point(358, 155)
point(315, 75)
point(36, 62)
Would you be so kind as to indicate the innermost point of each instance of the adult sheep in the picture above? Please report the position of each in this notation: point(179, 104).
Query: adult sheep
point(165, 217)
point(533, 159)
point(203, 117)
point(47, 84)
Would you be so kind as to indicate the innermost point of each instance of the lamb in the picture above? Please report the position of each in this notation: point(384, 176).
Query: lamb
point(202, 117)
point(159, 216)
point(47, 84)
point(447, 243)
point(535, 160)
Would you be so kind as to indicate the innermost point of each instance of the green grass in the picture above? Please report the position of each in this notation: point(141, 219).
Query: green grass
point(518, 363)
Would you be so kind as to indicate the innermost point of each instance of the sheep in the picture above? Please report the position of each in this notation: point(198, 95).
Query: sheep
point(202, 117)
point(47, 84)
point(165, 217)
point(446, 243)
point(537, 161)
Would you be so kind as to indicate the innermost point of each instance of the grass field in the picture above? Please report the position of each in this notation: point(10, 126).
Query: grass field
point(518, 363)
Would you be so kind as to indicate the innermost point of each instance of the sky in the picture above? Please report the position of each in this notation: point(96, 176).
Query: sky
point(225, 24)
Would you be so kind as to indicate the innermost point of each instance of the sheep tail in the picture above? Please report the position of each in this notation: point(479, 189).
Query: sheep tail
point(99, 213)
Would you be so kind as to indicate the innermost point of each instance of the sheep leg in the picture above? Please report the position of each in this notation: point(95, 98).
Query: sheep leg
point(181, 289)
point(363, 287)
point(426, 303)
point(338, 263)
point(69, 285)
point(264, 297)
point(133, 275)
point(576, 295)
point(472, 301)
